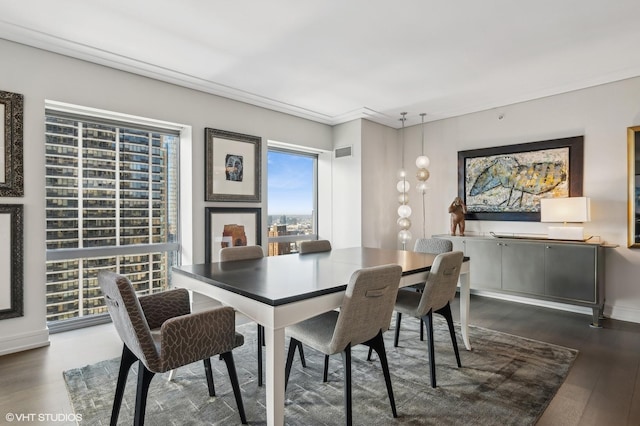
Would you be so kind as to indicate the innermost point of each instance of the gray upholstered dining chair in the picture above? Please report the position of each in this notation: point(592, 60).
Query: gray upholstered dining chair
point(430, 246)
point(439, 290)
point(315, 246)
point(230, 254)
point(160, 332)
point(364, 315)
point(433, 245)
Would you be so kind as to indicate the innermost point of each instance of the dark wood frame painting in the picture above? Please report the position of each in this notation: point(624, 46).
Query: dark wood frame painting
point(11, 144)
point(16, 259)
point(217, 217)
point(506, 183)
point(223, 182)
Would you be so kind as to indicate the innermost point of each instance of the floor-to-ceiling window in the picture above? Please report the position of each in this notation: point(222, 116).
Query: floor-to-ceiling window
point(292, 199)
point(111, 204)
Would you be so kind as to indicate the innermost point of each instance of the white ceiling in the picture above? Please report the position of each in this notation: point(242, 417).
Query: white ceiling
point(336, 60)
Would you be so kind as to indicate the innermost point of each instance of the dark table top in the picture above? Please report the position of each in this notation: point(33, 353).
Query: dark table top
point(278, 280)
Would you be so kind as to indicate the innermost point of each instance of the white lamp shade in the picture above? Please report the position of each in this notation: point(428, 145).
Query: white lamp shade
point(422, 162)
point(404, 211)
point(570, 209)
point(403, 186)
point(404, 235)
point(422, 187)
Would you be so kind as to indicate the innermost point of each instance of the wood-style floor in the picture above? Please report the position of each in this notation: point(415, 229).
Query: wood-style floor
point(603, 387)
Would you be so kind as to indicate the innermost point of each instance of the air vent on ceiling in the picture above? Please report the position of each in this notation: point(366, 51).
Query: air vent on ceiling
point(345, 151)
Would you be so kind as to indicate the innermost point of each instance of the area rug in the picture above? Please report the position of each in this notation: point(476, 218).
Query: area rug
point(505, 380)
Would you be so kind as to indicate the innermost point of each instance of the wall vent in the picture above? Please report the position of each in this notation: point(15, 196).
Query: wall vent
point(344, 151)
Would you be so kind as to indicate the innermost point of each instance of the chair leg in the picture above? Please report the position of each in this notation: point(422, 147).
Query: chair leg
point(421, 331)
point(377, 343)
point(348, 409)
point(144, 379)
point(233, 376)
point(326, 369)
point(301, 350)
point(397, 334)
point(369, 354)
point(260, 343)
point(293, 343)
point(428, 320)
point(445, 311)
point(127, 360)
point(209, 374)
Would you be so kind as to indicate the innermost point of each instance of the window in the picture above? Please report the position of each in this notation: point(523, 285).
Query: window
point(292, 195)
point(111, 204)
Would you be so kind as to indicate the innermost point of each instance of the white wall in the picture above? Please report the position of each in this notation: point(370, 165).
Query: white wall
point(602, 114)
point(40, 75)
point(381, 162)
point(346, 187)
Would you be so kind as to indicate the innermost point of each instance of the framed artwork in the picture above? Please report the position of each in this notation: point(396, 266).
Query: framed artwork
point(232, 166)
point(11, 145)
point(11, 261)
point(230, 227)
point(507, 182)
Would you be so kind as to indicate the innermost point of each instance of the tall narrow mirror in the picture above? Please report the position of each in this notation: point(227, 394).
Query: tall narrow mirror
point(633, 197)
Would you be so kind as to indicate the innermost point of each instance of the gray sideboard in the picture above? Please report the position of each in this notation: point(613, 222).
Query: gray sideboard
point(560, 271)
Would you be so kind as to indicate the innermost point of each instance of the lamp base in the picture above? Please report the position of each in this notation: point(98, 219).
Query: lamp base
point(566, 233)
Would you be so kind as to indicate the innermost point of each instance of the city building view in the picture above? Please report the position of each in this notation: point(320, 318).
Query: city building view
point(291, 184)
point(292, 230)
point(107, 188)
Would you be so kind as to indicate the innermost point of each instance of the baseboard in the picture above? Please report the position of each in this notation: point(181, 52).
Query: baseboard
point(622, 313)
point(23, 342)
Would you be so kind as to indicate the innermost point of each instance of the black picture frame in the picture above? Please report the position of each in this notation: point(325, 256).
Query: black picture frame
point(233, 169)
point(215, 220)
point(15, 258)
point(506, 168)
point(11, 144)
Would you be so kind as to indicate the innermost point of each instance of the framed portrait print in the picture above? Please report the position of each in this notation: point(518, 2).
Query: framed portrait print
point(11, 261)
point(11, 145)
point(507, 182)
point(232, 166)
point(230, 227)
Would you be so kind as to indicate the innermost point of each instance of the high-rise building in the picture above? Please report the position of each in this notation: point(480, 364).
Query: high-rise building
point(107, 186)
point(278, 248)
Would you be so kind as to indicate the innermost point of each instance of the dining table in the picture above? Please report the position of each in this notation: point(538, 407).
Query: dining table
point(278, 291)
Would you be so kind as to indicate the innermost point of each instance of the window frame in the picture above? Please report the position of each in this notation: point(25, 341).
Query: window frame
point(183, 133)
point(299, 151)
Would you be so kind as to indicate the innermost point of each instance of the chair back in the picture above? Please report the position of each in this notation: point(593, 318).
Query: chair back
point(433, 245)
point(367, 305)
point(441, 283)
point(128, 318)
point(315, 246)
point(229, 254)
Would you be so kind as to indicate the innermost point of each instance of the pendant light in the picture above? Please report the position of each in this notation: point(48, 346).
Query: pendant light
point(403, 186)
point(422, 163)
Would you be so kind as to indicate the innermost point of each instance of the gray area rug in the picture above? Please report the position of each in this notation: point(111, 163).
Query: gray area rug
point(505, 380)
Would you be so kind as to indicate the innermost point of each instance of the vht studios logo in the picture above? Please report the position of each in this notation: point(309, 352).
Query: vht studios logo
point(43, 417)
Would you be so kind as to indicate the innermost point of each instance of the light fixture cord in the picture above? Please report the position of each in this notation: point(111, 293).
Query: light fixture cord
point(403, 119)
point(424, 208)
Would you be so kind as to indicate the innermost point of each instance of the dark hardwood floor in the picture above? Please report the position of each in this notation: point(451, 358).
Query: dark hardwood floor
point(603, 386)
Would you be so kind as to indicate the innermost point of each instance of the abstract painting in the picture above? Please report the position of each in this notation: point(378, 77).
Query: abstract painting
point(507, 182)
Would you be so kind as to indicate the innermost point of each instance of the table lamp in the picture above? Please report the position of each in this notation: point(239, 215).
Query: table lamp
point(569, 209)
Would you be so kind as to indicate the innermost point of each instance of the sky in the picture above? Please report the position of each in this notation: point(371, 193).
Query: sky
point(289, 183)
